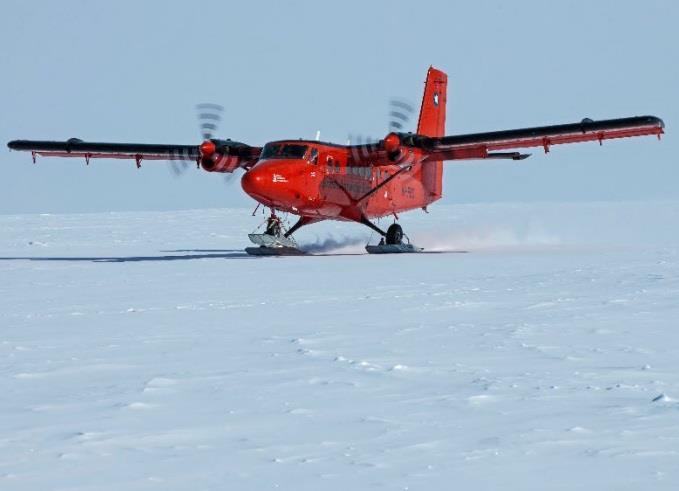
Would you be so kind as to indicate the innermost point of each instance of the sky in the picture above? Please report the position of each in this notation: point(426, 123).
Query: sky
point(133, 71)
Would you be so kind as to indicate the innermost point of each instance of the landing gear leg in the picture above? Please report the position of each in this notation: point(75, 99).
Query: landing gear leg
point(370, 224)
point(273, 225)
point(300, 223)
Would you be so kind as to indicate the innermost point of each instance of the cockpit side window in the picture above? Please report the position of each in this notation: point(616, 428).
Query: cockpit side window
point(292, 151)
point(283, 151)
point(270, 150)
point(313, 156)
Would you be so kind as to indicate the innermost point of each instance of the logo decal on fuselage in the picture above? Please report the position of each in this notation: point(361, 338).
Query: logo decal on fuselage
point(279, 178)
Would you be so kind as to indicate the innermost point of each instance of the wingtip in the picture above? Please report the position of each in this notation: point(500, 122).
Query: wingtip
point(658, 121)
point(653, 120)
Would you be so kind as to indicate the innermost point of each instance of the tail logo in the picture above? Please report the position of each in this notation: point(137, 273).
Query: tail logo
point(436, 98)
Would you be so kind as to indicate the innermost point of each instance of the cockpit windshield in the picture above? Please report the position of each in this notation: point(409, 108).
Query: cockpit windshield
point(283, 151)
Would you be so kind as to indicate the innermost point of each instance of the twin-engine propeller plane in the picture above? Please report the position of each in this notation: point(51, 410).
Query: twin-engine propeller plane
point(325, 181)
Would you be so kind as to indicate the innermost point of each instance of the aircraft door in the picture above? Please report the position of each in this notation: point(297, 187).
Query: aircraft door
point(314, 175)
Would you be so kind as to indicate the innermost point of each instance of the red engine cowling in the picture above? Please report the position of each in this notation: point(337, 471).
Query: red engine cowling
point(217, 156)
point(220, 163)
point(392, 144)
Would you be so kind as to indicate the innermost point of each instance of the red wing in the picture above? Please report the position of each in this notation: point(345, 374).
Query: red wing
point(480, 145)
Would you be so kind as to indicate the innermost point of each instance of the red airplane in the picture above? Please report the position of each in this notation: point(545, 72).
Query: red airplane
point(325, 181)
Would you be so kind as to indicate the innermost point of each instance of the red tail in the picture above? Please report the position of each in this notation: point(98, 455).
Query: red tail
point(432, 122)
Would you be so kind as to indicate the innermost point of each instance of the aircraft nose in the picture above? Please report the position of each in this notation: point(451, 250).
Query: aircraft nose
point(253, 181)
point(275, 183)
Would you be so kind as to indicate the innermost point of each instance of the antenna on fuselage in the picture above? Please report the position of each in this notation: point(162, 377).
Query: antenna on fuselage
point(318, 135)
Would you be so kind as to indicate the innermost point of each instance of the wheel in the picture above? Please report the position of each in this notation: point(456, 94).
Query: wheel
point(394, 234)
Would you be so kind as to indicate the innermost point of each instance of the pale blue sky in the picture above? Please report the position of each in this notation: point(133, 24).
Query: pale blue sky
point(133, 71)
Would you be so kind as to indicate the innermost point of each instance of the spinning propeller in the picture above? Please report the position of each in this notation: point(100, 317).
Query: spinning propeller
point(400, 113)
point(210, 150)
point(209, 117)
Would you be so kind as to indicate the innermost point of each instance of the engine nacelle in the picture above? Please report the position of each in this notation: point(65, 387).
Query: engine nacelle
point(218, 162)
point(222, 155)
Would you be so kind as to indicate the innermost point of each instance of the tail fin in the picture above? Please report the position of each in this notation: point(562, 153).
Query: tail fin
point(432, 122)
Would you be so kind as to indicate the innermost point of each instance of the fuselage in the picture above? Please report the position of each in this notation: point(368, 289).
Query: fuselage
point(328, 181)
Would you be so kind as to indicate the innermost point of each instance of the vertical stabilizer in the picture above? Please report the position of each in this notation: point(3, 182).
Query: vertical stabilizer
point(432, 122)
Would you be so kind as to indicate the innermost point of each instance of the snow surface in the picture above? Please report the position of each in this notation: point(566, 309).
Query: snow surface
point(144, 351)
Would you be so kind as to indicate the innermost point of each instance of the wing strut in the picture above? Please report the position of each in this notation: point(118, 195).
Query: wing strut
point(403, 169)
